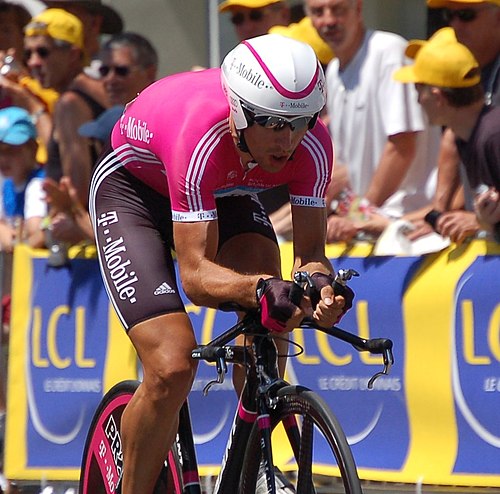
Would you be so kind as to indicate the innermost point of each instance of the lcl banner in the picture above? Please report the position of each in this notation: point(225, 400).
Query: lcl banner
point(431, 420)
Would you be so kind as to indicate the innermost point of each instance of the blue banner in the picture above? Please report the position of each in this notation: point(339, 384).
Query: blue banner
point(432, 420)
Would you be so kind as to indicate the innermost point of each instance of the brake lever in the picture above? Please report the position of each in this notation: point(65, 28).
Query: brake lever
point(301, 279)
point(345, 275)
point(221, 374)
point(388, 358)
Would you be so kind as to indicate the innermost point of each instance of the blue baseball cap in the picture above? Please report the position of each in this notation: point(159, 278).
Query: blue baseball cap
point(16, 126)
point(101, 127)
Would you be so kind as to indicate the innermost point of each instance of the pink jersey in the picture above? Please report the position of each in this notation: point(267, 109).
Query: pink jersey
point(175, 137)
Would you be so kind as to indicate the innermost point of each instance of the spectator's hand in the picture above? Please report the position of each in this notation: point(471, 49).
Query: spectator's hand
point(487, 206)
point(340, 229)
point(69, 218)
point(19, 95)
point(374, 225)
point(57, 196)
point(65, 229)
point(421, 229)
point(457, 225)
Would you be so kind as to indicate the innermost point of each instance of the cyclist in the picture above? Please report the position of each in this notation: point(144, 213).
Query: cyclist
point(187, 159)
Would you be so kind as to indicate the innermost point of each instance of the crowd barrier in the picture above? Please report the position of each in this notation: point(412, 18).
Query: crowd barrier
point(433, 420)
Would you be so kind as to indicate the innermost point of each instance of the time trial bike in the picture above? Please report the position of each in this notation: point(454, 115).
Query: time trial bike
point(268, 407)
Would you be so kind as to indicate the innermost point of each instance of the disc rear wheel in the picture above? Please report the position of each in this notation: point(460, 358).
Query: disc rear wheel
point(102, 461)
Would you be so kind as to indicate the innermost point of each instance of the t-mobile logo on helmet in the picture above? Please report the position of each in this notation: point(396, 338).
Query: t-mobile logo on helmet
point(250, 76)
point(294, 105)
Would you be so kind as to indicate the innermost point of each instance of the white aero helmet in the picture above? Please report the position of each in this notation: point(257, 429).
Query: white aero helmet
point(273, 75)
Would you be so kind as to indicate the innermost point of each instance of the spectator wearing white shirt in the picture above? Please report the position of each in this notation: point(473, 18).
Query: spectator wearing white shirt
point(383, 142)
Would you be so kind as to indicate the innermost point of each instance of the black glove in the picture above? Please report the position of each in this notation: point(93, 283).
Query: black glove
point(276, 308)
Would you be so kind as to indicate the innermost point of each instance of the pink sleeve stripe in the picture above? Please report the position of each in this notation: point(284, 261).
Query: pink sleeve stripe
point(283, 91)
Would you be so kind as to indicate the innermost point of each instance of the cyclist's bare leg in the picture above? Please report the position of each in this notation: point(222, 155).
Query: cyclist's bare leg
point(252, 253)
point(149, 423)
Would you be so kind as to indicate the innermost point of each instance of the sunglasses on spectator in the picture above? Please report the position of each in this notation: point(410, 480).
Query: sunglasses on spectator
point(278, 122)
point(463, 15)
point(41, 51)
point(254, 15)
point(119, 70)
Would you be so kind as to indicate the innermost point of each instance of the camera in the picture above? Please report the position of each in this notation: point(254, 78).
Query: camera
point(10, 68)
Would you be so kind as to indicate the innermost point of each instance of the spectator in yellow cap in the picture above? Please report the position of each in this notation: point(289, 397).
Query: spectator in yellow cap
point(96, 17)
point(54, 53)
point(447, 78)
point(53, 48)
point(252, 18)
point(476, 24)
point(304, 31)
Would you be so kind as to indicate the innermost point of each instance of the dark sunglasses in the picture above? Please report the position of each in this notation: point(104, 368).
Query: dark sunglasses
point(119, 70)
point(463, 15)
point(255, 15)
point(41, 51)
point(278, 122)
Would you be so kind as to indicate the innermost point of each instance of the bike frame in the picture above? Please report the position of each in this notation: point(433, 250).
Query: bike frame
point(261, 384)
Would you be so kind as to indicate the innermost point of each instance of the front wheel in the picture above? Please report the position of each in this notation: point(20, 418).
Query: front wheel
point(102, 461)
point(316, 449)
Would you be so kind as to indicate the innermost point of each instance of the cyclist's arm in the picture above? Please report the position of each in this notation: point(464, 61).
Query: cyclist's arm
point(205, 282)
point(309, 226)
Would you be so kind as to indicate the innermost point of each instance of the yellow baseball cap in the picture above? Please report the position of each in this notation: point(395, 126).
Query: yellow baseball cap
point(442, 64)
point(443, 35)
point(58, 24)
point(305, 31)
point(434, 4)
point(249, 4)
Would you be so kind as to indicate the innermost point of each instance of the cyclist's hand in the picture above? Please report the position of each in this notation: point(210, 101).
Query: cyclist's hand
point(329, 306)
point(278, 313)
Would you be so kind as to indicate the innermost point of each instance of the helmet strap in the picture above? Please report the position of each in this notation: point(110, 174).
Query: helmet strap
point(242, 143)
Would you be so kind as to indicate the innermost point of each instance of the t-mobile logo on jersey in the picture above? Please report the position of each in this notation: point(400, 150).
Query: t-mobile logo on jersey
point(136, 129)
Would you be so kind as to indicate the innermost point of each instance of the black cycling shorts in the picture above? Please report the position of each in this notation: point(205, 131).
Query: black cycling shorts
point(134, 237)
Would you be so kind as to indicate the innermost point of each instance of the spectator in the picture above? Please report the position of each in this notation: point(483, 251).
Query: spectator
point(381, 135)
point(304, 31)
point(129, 63)
point(23, 206)
point(96, 18)
point(447, 79)
point(72, 214)
point(477, 26)
point(252, 18)
point(54, 41)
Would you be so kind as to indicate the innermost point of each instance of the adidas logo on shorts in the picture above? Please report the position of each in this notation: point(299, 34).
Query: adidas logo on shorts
point(163, 289)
